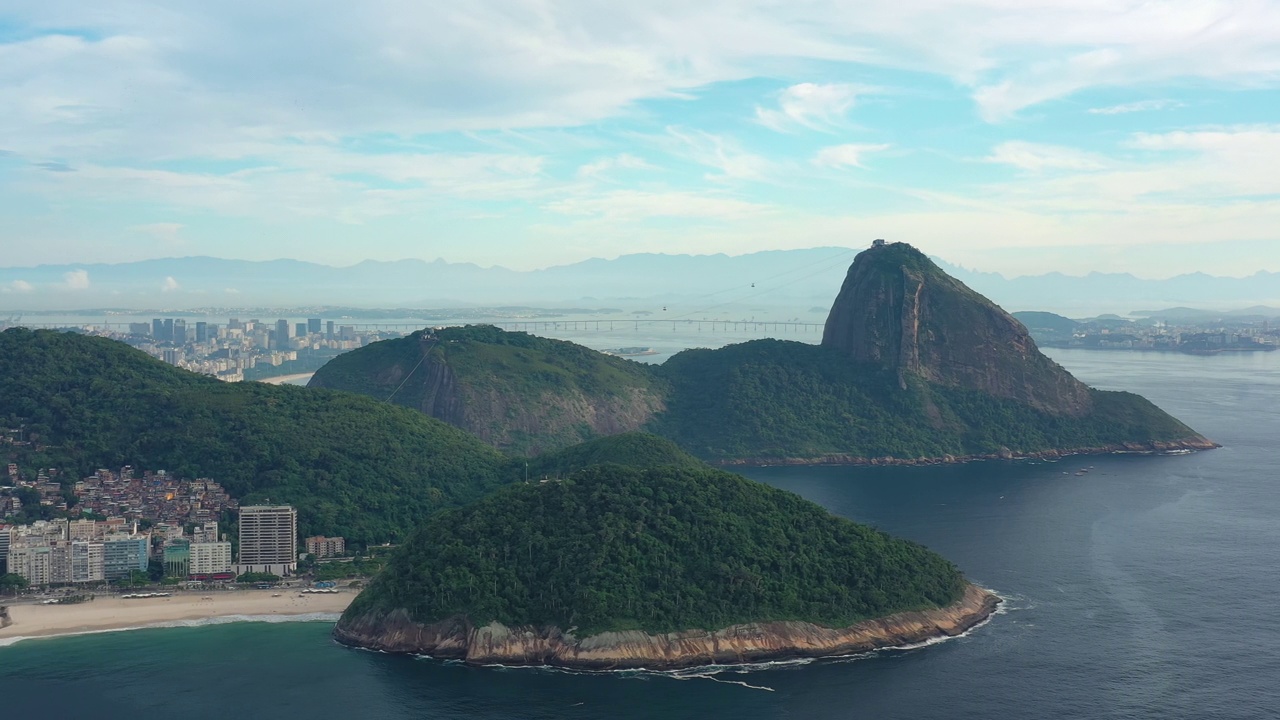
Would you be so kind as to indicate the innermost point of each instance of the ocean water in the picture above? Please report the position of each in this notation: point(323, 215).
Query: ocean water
point(1144, 588)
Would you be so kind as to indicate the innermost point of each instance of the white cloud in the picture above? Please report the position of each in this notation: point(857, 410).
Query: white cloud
point(718, 152)
point(76, 279)
point(19, 286)
point(624, 161)
point(809, 105)
point(201, 76)
point(845, 156)
point(1139, 106)
point(1036, 157)
point(231, 291)
point(169, 285)
point(631, 205)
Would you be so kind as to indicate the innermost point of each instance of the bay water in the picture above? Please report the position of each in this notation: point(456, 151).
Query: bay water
point(1143, 588)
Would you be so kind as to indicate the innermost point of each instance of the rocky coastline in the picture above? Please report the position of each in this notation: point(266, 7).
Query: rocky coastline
point(457, 638)
point(1145, 448)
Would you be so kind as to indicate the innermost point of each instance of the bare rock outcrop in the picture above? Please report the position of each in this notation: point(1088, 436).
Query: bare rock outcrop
point(494, 643)
point(899, 311)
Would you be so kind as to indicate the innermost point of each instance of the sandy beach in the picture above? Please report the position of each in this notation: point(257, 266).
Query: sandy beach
point(113, 613)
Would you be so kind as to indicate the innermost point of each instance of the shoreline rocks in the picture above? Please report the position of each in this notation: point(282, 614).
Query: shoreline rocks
point(457, 638)
point(1147, 448)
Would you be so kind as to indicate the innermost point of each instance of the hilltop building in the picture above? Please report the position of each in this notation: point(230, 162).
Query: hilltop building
point(268, 539)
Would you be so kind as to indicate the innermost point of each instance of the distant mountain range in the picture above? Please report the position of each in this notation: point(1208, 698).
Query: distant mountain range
point(718, 284)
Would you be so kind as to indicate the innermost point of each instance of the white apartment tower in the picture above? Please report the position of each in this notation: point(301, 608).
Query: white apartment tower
point(209, 558)
point(268, 539)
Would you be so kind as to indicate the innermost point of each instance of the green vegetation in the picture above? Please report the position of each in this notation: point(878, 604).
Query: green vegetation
point(353, 466)
point(257, 577)
point(12, 583)
point(766, 399)
point(633, 449)
point(776, 399)
point(522, 393)
point(659, 550)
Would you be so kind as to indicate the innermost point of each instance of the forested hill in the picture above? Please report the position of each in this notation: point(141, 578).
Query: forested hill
point(913, 365)
point(616, 548)
point(634, 449)
point(353, 466)
point(520, 392)
point(772, 400)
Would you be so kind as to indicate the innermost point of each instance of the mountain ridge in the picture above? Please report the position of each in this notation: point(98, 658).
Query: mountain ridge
point(639, 277)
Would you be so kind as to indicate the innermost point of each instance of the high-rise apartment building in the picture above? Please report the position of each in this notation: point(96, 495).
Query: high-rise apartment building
point(268, 539)
point(210, 561)
point(328, 331)
point(313, 326)
point(6, 539)
point(179, 332)
point(300, 330)
point(282, 332)
point(166, 333)
point(122, 555)
point(33, 562)
point(202, 332)
point(157, 329)
point(177, 559)
point(59, 561)
point(87, 561)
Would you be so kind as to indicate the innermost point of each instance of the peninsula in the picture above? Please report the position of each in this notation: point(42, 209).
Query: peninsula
point(914, 367)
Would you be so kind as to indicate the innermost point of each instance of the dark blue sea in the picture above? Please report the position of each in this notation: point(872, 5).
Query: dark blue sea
point(1144, 588)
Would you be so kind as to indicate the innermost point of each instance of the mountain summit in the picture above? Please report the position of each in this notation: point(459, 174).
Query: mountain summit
point(899, 311)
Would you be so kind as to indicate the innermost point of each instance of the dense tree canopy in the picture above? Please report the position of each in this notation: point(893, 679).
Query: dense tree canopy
point(353, 466)
point(659, 550)
point(774, 399)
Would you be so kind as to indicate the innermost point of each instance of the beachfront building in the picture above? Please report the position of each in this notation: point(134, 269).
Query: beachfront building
point(59, 561)
point(87, 561)
point(321, 546)
point(210, 561)
point(177, 559)
point(268, 540)
point(123, 554)
point(33, 562)
point(6, 539)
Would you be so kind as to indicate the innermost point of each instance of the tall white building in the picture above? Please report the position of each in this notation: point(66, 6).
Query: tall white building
point(32, 562)
point(87, 562)
point(268, 539)
point(209, 559)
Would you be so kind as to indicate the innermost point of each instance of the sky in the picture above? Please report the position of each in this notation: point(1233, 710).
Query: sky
point(1016, 136)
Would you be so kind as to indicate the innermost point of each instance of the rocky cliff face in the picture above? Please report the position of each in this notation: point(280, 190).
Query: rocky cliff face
point(899, 311)
point(458, 638)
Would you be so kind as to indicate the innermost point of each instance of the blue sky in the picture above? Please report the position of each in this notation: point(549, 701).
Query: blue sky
point(1005, 135)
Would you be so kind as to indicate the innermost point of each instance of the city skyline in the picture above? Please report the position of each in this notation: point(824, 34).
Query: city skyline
point(1052, 136)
